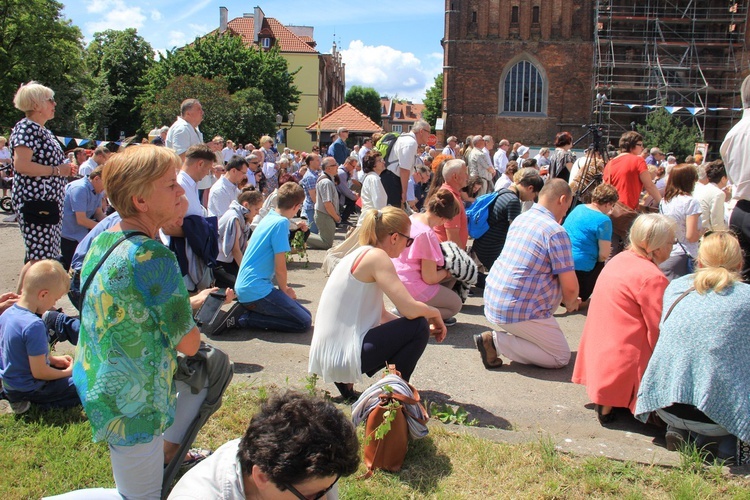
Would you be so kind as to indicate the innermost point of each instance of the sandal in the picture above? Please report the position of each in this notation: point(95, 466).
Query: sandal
point(195, 456)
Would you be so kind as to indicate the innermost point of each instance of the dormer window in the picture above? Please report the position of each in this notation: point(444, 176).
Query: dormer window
point(265, 43)
point(398, 115)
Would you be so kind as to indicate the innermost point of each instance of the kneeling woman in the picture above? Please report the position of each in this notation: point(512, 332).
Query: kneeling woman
point(622, 325)
point(354, 333)
point(418, 266)
point(695, 380)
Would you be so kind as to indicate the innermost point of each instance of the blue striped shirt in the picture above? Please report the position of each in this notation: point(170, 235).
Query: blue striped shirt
point(522, 284)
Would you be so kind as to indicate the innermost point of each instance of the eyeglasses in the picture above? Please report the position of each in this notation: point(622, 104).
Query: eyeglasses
point(316, 496)
point(409, 239)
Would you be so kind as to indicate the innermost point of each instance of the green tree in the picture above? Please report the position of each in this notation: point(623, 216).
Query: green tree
point(227, 57)
point(243, 116)
point(669, 133)
point(117, 62)
point(365, 99)
point(37, 43)
point(433, 102)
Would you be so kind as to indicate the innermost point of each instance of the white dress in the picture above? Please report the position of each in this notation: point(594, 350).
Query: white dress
point(348, 309)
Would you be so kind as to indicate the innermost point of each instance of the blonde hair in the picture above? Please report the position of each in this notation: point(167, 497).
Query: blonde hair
point(265, 139)
point(379, 224)
point(719, 262)
point(30, 95)
point(46, 274)
point(651, 232)
point(133, 172)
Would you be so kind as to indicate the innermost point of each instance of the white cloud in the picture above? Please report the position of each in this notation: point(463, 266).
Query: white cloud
point(200, 29)
point(176, 39)
point(389, 70)
point(113, 14)
point(155, 15)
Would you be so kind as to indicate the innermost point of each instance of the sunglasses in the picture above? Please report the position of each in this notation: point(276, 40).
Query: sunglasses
point(409, 239)
point(316, 496)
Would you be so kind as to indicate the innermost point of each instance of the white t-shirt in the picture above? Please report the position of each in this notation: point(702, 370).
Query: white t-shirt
point(404, 154)
point(679, 209)
point(503, 182)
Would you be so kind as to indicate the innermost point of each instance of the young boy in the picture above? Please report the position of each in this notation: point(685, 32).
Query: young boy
point(261, 305)
point(28, 372)
point(234, 230)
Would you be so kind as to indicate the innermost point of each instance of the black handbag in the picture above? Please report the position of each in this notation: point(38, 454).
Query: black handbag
point(41, 212)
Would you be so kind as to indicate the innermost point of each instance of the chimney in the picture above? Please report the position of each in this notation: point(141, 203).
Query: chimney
point(258, 17)
point(223, 14)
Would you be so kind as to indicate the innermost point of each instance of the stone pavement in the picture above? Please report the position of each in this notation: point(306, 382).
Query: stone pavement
point(515, 403)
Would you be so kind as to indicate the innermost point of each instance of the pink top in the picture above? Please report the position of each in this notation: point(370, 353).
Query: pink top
point(409, 264)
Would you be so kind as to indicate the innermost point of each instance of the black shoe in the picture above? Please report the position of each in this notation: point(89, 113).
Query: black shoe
point(348, 394)
point(605, 419)
point(675, 438)
point(222, 323)
point(450, 321)
point(50, 322)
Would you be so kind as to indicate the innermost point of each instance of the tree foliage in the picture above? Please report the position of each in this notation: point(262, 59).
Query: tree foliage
point(37, 43)
point(433, 102)
point(668, 133)
point(365, 99)
point(117, 62)
point(240, 68)
point(243, 116)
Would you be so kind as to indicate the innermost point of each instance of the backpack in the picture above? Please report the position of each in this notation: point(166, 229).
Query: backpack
point(385, 146)
point(478, 214)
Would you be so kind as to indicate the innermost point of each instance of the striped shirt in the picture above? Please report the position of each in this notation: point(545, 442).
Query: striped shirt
point(522, 284)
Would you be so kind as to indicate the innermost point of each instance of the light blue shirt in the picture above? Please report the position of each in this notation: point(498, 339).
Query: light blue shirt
point(79, 197)
point(257, 269)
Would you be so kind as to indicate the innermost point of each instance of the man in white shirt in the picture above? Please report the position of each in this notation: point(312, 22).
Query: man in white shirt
point(450, 149)
point(228, 152)
point(735, 151)
point(403, 157)
point(226, 190)
point(489, 143)
point(184, 132)
point(366, 147)
point(101, 154)
point(199, 160)
point(500, 160)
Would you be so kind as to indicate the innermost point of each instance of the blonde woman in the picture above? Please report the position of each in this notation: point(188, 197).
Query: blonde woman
point(39, 172)
point(697, 380)
point(354, 333)
point(623, 319)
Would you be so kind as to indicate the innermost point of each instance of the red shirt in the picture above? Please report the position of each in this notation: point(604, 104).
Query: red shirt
point(459, 221)
point(623, 172)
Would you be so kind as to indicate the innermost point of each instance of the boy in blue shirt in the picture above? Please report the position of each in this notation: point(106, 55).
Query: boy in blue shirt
point(260, 304)
point(28, 372)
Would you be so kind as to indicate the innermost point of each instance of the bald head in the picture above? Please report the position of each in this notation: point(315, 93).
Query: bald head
point(556, 196)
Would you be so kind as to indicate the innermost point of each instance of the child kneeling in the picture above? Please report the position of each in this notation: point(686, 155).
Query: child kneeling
point(28, 371)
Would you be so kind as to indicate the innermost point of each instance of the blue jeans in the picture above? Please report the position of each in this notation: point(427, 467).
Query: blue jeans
point(310, 214)
point(60, 393)
point(276, 311)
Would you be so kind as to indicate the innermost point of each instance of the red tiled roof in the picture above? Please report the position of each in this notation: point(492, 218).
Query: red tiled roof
point(288, 41)
point(347, 116)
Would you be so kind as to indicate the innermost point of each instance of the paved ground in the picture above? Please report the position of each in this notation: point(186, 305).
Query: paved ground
point(513, 404)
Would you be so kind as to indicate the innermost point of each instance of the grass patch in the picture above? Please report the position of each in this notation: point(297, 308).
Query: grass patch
point(47, 453)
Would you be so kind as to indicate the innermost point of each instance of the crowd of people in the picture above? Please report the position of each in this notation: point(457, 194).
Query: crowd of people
point(142, 237)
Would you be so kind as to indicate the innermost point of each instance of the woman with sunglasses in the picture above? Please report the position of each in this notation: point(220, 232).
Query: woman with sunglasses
point(354, 333)
point(295, 447)
point(420, 265)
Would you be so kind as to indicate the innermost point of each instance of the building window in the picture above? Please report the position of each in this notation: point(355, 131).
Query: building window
point(514, 14)
point(473, 16)
point(523, 89)
point(396, 128)
point(265, 43)
point(535, 14)
point(398, 115)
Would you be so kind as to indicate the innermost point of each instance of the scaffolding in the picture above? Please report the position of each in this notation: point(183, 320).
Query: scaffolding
point(686, 56)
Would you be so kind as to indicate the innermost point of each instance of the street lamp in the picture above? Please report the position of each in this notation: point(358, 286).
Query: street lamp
point(280, 120)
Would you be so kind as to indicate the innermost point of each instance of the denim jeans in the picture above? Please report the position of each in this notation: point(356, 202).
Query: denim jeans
point(276, 311)
point(310, 214)
point(60, 393)
point(703, 433)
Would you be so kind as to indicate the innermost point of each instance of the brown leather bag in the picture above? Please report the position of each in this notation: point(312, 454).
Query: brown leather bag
point(388, 453)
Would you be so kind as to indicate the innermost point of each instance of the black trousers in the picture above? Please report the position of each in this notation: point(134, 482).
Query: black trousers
point(740, 224)
point(400, 342)
point(68, 249)
point(587, 280)
point(225, 274)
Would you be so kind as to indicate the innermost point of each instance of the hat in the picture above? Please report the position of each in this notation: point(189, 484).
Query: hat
point(522, 151)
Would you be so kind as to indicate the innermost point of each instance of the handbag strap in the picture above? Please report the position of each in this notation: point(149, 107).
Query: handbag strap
point(684, 294)
point(85, 286)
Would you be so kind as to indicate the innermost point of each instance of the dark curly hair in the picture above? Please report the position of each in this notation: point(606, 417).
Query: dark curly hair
point(369, 160)
point(295, 438)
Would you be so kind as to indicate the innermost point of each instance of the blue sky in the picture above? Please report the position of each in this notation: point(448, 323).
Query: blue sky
point(393, 46)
